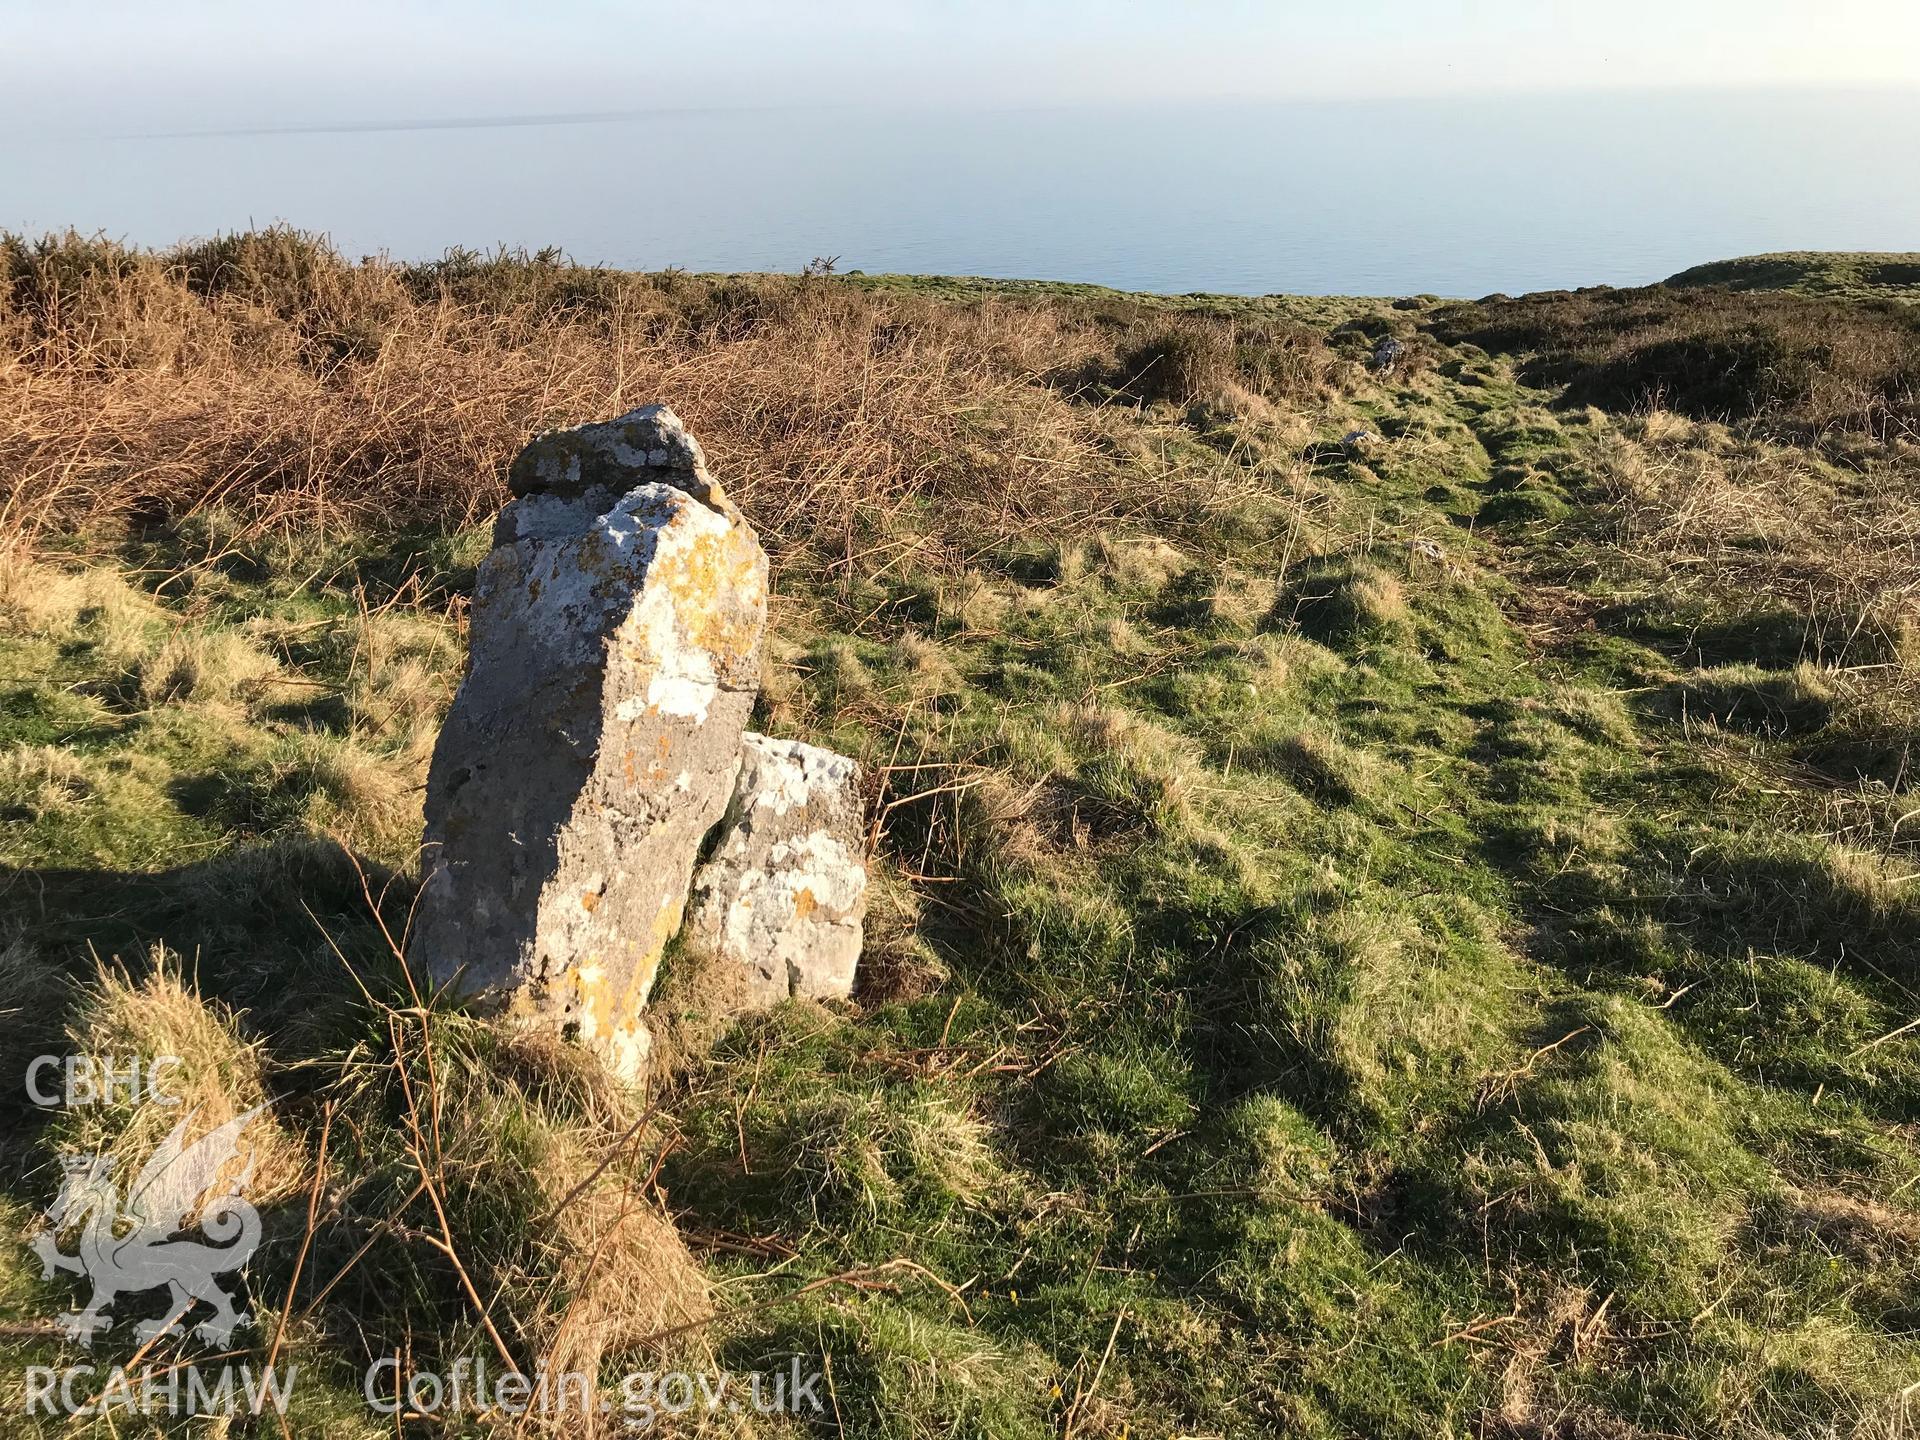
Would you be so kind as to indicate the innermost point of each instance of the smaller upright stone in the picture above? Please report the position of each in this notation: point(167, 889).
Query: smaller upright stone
point(785, 891)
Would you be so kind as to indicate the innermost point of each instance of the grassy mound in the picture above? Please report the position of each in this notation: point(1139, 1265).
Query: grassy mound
point(1403, 938)
point(1802, 365)
point(1852, 275)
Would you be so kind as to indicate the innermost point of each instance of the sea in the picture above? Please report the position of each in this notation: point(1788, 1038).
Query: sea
point(1457, 196)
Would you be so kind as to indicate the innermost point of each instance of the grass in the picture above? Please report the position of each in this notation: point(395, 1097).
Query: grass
point(1792, 364)
point(1415, 940)
point(1855, 276)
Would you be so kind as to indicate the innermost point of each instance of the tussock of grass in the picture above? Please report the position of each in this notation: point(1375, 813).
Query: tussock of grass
point(40, 782)
point(1284, 1155)
point(931, 671)
point(1524, 504)
point(884, 1154)
point(327, 785)
point(582, 1255)
point(862, 1155)
point(1198, 360)
point(897, 963)
point(208, 666)
point(1625, 1152)
point(1317, 764)
point(220, 1076)
point(1344, 603)
point(1136, 564)
point(46, 599)
point(1132, 771)
point(398, 680)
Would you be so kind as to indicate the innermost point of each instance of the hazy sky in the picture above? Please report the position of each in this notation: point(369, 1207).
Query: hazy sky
point(142, 65)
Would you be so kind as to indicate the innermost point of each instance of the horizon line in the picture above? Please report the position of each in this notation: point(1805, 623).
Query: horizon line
point(601, 117)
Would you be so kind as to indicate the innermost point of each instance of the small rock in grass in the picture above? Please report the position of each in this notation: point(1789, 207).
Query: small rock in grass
point(785, 890)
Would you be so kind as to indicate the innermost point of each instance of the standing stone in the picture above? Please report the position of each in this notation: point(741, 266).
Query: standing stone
point(784, 893)
point(614, 657)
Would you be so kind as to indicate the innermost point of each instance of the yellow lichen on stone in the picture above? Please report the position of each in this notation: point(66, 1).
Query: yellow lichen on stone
point(665, 926)
point(717, 566)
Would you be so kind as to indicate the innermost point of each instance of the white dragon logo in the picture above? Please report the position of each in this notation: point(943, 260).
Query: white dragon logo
point(130, 1252)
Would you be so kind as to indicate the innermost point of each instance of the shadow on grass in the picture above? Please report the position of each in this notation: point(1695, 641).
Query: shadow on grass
point(281, 933)
point(282, 938)
point(1777, 639)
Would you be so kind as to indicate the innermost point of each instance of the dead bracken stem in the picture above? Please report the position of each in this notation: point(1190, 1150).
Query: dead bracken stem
point(613, 1153)
point(306, 1236)
point(429, 1173)
point(1080, 1396)
point(370, 391)
point(425, 1152)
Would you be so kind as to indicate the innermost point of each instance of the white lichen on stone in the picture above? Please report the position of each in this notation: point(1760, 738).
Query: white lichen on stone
point(784, 891)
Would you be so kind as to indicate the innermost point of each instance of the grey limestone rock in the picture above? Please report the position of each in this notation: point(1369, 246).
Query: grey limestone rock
point(784, 890)
point(614, 658)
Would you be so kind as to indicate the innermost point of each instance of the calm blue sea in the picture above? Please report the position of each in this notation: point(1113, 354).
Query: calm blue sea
point(1458, 197)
